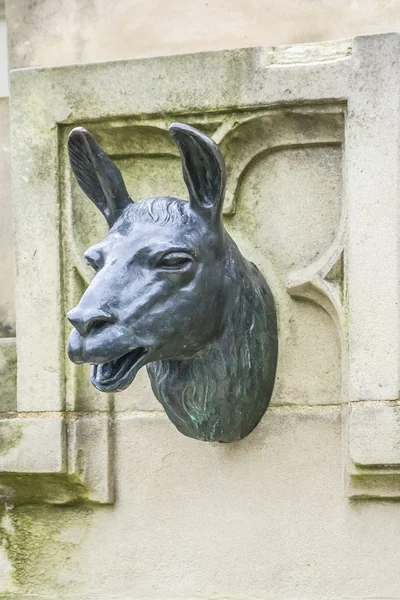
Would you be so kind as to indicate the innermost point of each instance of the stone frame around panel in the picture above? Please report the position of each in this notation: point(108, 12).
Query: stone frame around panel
point(296, 127)
point(357, 281)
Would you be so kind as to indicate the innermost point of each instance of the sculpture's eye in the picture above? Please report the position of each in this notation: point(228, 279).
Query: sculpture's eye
point(175, 261)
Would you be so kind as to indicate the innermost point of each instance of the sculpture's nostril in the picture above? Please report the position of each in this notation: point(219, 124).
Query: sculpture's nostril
point(85, 322)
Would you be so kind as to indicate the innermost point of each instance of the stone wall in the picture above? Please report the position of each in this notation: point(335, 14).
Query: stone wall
point(3, 58)
point(101, 496)
point(7, 277)
point(7, 272)
point(49, 33)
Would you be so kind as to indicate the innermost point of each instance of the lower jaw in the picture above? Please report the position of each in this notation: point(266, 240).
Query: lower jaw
point(110, 386)
point(118, 382)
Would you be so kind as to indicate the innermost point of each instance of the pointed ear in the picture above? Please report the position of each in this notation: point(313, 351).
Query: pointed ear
point(98, 176)
point(204, 170)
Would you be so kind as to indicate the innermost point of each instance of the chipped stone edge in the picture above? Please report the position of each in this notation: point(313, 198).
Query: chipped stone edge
point(302, 54)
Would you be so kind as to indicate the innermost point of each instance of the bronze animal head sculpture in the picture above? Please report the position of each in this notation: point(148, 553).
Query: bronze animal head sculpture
point(172, 291)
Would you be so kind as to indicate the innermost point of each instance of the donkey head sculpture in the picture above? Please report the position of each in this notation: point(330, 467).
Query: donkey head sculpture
point(172, 291)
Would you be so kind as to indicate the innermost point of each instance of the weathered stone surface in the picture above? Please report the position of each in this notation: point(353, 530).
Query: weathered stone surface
point(32, 445)
point(8, 361)
point(8, 375)
point(375, 436)
point(80, 31)
point(3, 54)
point(187, 507)
point(373, 468)
point(56, 459)
point(91, 454)
point(7, 271)
point(264, 516)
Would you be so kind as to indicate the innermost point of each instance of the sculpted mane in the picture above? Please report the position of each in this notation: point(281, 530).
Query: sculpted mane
point(220, 394)
point(158, 210)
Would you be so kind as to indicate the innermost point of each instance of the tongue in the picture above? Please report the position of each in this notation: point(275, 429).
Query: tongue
point(107, 370)
point(119, 366)
point(110, 369)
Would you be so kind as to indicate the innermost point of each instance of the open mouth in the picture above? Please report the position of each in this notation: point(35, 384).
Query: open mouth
point(118, 374)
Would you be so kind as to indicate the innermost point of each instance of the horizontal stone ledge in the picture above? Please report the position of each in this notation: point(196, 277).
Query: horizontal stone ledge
point(154, 413)
point(373, 465)
point(55, 460)
point(41, 488)
point(374, 486)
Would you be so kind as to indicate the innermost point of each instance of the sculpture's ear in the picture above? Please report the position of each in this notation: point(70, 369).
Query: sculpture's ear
point(204, 170)
point(98, 176)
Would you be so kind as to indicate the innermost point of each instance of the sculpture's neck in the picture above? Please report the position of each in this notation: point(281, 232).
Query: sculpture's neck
point(220, 393)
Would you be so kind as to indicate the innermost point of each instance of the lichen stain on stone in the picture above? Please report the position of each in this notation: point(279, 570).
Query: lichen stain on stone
point(10, 436)
point(38, 488)
point(6, 330)
point(6, 582)
point(32, 539)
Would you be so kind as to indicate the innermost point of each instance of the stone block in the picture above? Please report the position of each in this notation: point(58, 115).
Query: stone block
point(7, 272)
point(8, 375)
point(91, 453)
point(375, 436)
point(32, 445)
